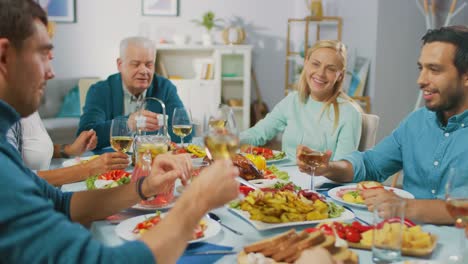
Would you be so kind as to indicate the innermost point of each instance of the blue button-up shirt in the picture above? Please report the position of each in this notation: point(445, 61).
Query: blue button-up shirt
point(425, 150)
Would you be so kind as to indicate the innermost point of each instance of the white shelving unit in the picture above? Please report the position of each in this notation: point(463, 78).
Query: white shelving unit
point(228, 78)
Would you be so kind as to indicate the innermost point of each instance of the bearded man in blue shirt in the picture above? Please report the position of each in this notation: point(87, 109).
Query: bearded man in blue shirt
point(41, 224)
point(429, 142)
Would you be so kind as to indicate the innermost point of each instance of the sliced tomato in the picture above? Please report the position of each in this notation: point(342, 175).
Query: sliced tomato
point(245, 190)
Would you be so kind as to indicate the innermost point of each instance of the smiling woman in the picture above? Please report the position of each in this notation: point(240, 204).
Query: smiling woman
point(318, 105)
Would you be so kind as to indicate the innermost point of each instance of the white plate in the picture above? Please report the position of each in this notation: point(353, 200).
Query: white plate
point(76, 160)
point(125, 228)
point(333, 193)
point(152, 208)
point(266, 183)
point(346, 215)
point(277, 160)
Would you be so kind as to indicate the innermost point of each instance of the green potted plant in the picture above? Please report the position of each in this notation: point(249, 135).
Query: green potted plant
point(208, 22)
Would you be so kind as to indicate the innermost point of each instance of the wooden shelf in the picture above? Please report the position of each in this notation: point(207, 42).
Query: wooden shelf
point(234, 79)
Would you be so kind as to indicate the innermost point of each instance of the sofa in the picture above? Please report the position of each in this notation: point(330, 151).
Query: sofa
point(61, 129)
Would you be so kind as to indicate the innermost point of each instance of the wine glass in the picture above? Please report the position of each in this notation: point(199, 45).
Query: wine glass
point(120, 134)
point(315, 156)
point(222, 134)
point(456, 197)
point(182, 123)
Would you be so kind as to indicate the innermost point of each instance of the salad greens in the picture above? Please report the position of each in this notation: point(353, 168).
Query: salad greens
point(282, 175)
point(334, 210)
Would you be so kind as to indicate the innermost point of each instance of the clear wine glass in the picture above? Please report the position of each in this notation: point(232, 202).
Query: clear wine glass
point(121, 138)
point(182, 123)
point(456, 197)
point(315, 155)
point(221, 134)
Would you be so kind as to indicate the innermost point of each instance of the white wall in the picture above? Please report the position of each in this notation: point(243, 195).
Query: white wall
point(90, 46)
point(400, 28)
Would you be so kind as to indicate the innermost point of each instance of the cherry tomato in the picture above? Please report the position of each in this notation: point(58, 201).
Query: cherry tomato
point(245, 190)
point(311, 230)
point(352, 235)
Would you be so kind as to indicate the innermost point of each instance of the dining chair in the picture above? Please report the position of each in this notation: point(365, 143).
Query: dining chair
point(370, 125)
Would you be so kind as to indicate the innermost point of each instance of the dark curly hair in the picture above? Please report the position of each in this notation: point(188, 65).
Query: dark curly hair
point(456, 35)
point(17, 20)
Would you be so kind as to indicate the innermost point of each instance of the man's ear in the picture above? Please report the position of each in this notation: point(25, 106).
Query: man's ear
point(4, 46)
point(119, 64)
point(465, 79)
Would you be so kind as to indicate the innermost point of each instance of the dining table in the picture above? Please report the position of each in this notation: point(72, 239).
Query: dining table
point(104, 230)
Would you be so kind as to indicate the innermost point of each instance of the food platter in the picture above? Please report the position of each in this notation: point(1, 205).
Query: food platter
point(346, 215)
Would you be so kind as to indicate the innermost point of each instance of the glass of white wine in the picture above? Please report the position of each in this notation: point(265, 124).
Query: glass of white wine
point(315, 156)
point(121, 135)
point(222, 135)
point(182, 123)
point(456, 198)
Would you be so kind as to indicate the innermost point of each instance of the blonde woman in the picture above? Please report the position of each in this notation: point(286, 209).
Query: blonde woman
point(319, 107)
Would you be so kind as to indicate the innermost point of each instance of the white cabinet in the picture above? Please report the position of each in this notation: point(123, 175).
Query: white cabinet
point(206, 76)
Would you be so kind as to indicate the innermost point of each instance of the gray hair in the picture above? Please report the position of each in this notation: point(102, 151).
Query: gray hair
point(142, 42)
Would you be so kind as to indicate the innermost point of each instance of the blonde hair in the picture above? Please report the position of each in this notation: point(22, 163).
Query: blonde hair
point(304, 89)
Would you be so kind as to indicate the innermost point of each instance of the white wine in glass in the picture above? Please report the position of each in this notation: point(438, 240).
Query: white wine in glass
point(182, 123)
point(120, 135)
point(456, 197)
point(315, 156)
point(222, 135)
point(222, 145)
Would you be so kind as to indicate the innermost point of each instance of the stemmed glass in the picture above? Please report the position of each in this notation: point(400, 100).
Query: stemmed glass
point(315, 155)
point(182, 123)
point(121, 135)
point(456, 197)
point(222, 134)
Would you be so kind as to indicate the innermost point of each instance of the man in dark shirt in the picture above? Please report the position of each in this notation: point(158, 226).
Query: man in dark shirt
point(36, 219)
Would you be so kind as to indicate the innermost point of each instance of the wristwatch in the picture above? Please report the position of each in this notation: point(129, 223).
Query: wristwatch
point(62, 152)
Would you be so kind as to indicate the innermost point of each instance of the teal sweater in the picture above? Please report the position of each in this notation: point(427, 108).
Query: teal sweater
point(301, 123)
point(35, 224)
point(104, 102)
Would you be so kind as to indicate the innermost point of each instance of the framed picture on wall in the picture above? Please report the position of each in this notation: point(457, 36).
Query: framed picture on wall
point(59, 10)
point(160, 7)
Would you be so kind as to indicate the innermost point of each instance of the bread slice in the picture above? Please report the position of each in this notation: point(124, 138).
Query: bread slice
point(288, 247)
point(313, 239)
point(269, 242)
point(366, 185)
point(285, 244)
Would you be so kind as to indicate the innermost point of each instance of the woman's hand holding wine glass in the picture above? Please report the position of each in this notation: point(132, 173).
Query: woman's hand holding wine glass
point(310, 159)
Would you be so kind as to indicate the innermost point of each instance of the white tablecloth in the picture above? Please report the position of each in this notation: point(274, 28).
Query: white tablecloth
point(104, 231)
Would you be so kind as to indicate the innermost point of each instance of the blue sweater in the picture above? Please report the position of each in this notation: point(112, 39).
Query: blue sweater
point(104, 102)
point(35, 224)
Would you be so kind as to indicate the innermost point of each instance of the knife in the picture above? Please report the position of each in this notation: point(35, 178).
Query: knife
point(211, 252)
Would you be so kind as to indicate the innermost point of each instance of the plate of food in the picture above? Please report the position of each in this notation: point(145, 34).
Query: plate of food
point(78, 160)
point(350, 194)
point(131, 229)
point(271, 156)
point(288, 246)
point(284, 207)
point(152, 208)
point(108, 180)
point(197, 152)
point(415, 241)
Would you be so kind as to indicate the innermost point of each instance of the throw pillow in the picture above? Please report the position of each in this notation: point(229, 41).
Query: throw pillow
point(71, 104)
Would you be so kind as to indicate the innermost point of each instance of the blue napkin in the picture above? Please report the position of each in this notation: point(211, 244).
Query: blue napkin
point(202, 259)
